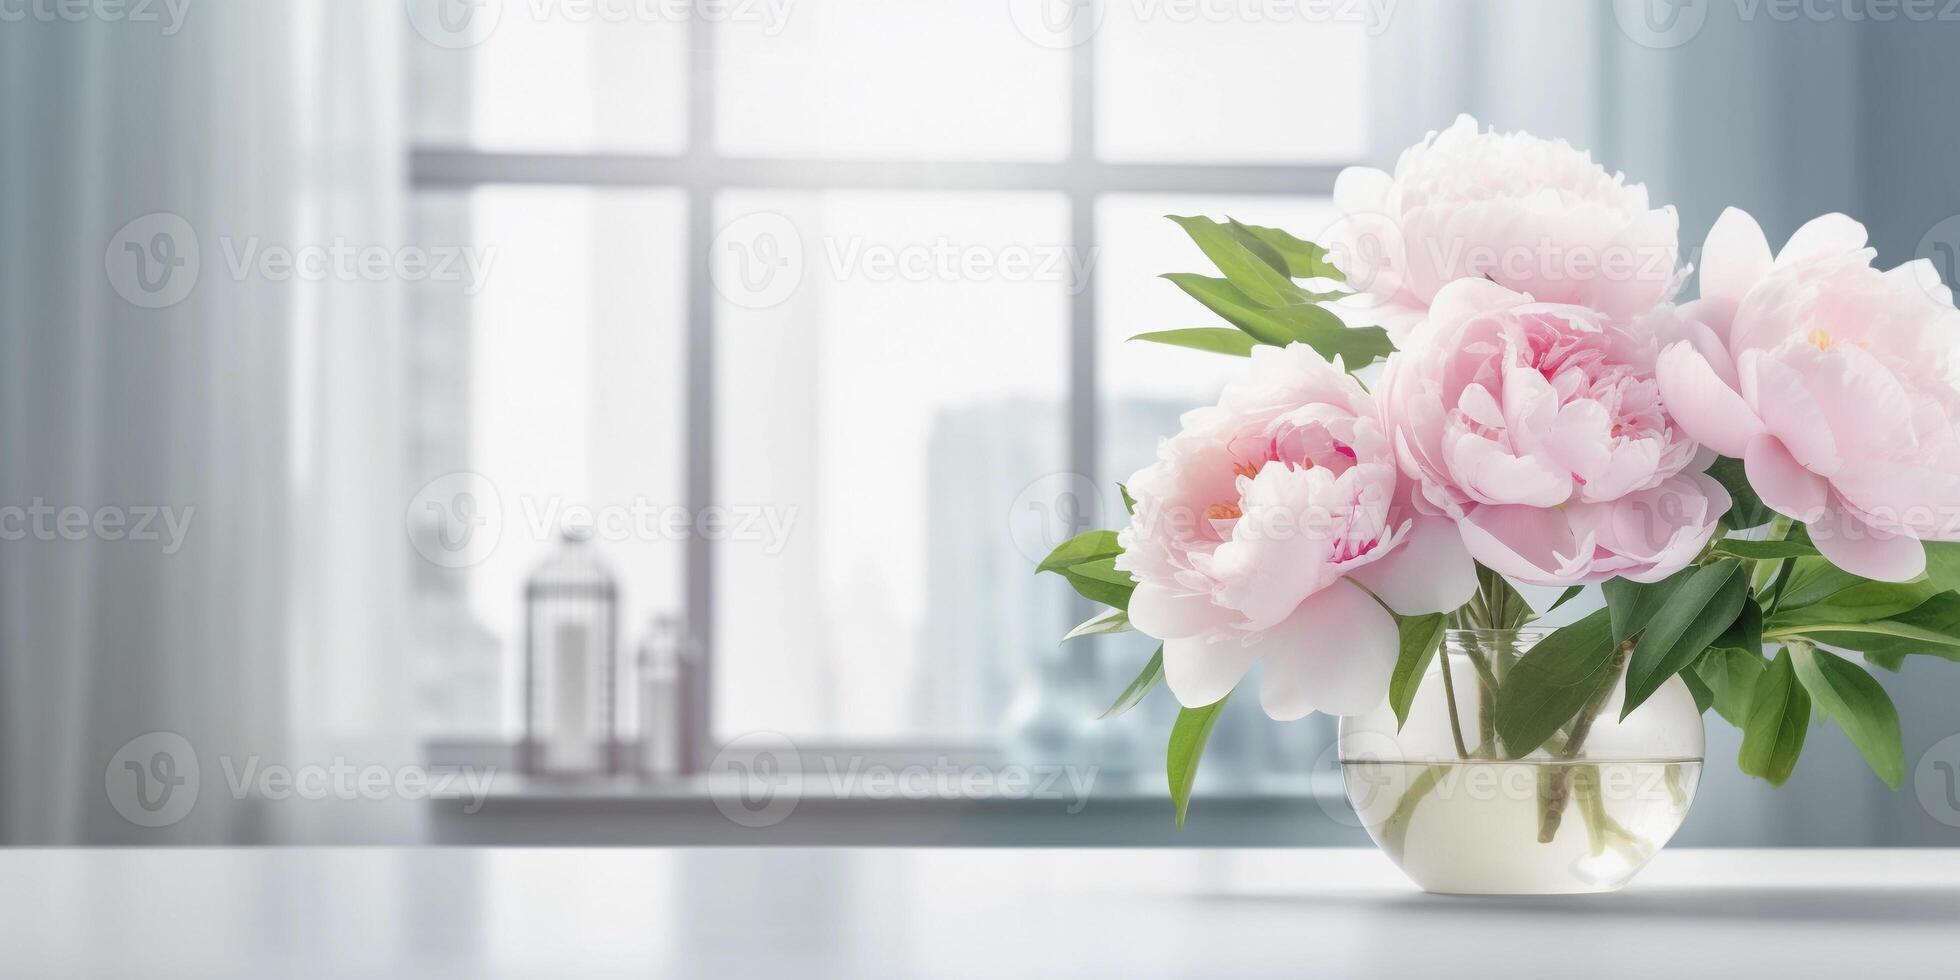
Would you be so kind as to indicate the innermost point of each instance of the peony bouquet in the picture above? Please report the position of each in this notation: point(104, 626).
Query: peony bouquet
point(1762, 481)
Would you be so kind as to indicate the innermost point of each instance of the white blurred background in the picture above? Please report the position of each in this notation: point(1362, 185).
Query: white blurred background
point(855, 273)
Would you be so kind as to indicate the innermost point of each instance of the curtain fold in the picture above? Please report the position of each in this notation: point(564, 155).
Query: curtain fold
point(256, 410)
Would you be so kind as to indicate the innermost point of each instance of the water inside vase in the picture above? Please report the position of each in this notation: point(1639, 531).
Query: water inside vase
point(1521, 827)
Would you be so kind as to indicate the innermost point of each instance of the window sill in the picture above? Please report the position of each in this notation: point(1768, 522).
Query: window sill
point(1129, 811)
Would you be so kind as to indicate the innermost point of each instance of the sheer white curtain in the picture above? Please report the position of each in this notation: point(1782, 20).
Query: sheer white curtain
point(261, 410)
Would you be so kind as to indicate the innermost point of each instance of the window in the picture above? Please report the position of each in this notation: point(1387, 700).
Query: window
point(867, 271)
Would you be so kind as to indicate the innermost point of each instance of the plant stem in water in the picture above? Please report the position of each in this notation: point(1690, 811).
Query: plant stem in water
point(1395, 830)
point(1449, 697)
point(1555, 782)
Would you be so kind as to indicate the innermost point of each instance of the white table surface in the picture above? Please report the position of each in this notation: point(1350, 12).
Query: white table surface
point(990, 913)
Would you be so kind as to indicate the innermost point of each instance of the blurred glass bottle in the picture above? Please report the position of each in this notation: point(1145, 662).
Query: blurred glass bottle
point(570, 662)
point(668, 667)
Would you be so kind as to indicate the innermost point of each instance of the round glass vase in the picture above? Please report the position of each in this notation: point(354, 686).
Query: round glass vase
point(1458, 814)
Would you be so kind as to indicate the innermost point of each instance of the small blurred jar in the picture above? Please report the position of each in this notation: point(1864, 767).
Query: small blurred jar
point(668, 669)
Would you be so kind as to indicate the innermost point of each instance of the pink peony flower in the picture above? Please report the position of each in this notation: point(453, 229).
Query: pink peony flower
point(1832, 381)
point(1255, 524)
point(1540, 428)
point(1535, 215)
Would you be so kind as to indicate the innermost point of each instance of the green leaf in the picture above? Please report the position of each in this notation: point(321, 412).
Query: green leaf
point(1943, 565)
point(1085, 547)
point(1699, 690)
point(1238, 309)
point(1746, 633)
point(1568, 595)
point(1631, 604)
point(1217, 340)
point(1765, 550)
point(1146, 681)
point(1327, 334)
point(1110, 621)
point(1101, 581)
point(1551, 682)
point(1858, 602)
point(1820, 592)
point(1747, 509)
point(1779, 717)
point(1932, 627)
point(1258, 279)
point(1731, 677)
point(1129, 502)
point(1331, 337)
point(1886, 659)
point(1846, 694)
point(1698, 612)
point(1188, 737)
point(1259, 247)
point(1302, 259)
point(1421, 636)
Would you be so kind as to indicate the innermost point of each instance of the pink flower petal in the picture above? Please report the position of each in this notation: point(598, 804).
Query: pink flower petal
point(1706, 408)
point(1535, 545)
point(1861, 549)
point(1781, 481)
point(1159, 611)
point(1904, 496)
point(1202, 669)
point(1361, 189)
point(1334, 654)
point(1734, 257)
point(1494, 476)
point(1789, 410)
point(1429, 571)
point(1824, 235)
